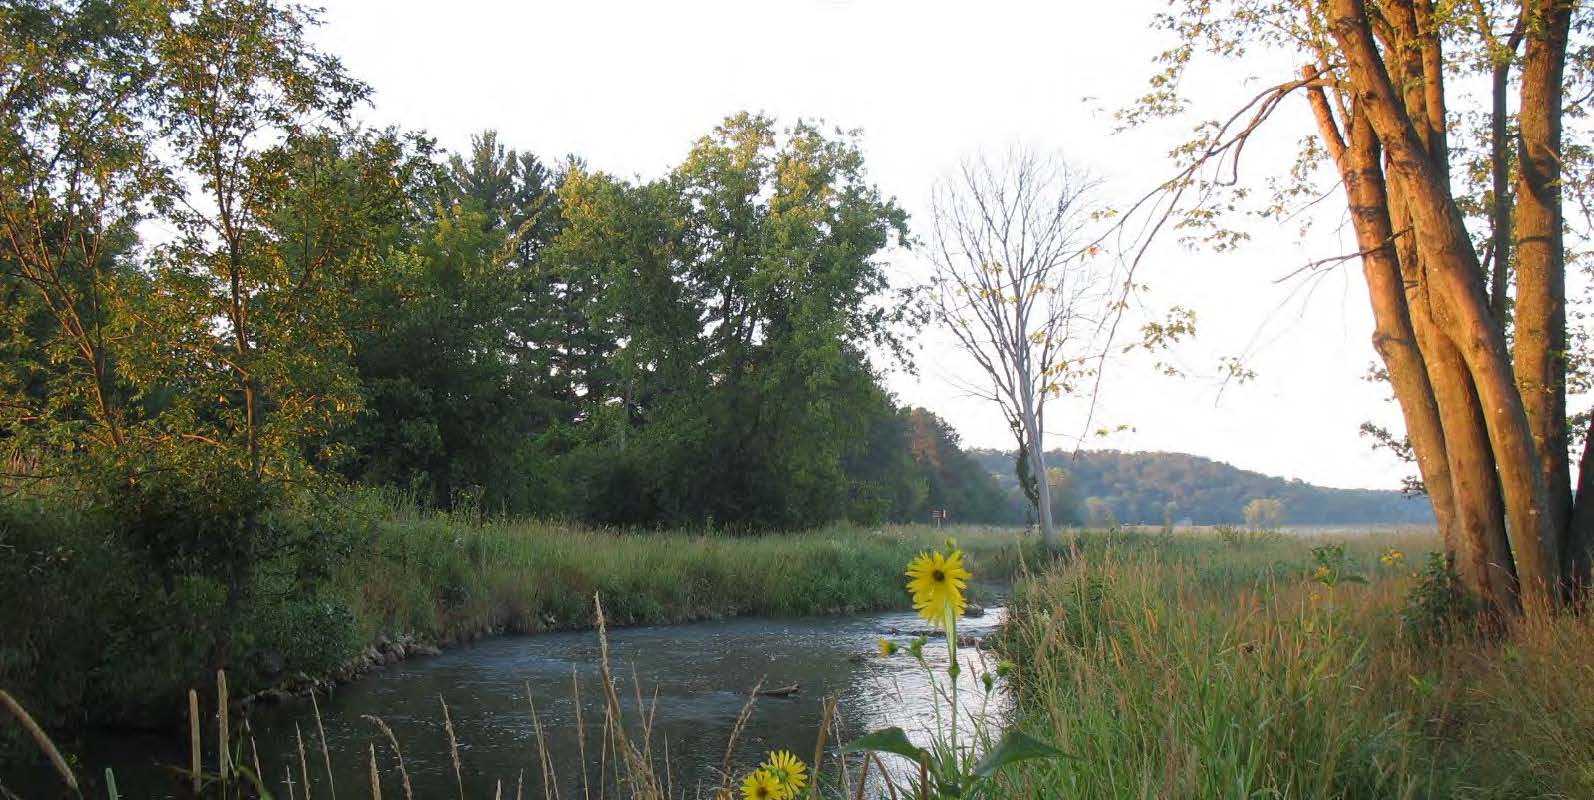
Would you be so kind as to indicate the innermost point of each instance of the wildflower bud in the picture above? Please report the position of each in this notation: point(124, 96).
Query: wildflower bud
point(990, 682)
point(1004, 668)
point(887, 647)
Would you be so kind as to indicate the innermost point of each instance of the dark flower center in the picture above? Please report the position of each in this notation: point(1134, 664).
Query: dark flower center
point(938, 576)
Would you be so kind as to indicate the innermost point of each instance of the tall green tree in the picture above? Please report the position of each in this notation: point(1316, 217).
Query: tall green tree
point(453, 371)
point(747, 286)
point(75, 178)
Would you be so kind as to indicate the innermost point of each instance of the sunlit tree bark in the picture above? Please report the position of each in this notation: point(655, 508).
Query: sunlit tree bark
point(1482, 391)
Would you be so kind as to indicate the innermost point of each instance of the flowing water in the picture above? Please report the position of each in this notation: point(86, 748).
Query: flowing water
point(693, 679)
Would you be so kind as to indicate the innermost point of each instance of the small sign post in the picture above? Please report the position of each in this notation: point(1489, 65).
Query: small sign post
point(938, 515)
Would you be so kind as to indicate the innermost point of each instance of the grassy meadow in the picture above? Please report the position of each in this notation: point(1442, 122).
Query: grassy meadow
point(1203, 666)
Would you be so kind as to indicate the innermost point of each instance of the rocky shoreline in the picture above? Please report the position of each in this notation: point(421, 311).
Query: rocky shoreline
point(384, 652)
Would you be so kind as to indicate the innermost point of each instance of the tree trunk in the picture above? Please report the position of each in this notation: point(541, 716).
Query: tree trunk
point(1394, 337)
point(1482, 554)
point(1460, 309)
point(1541, 266)
point(1037, 466)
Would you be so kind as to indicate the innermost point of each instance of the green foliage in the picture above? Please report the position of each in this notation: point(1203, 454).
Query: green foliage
point(1234, 536)
point(892, 740)
point(1015, 746)
point(1331, 566)
point(477, 330)
point(1438, 606)
point(223, 302)
point(102, 629)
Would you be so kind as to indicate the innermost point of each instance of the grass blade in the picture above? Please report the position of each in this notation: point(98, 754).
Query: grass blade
point(26, 721)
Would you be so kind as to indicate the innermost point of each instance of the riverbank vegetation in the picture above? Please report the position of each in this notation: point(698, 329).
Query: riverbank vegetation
point(138, 638)
point(1172, 666)
point(1184, 665)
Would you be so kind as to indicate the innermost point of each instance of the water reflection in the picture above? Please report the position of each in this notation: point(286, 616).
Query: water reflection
point(692, 679)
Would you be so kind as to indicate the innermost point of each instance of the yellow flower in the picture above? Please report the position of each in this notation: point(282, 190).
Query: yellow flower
point(937, 582)
point(788, 771)
point(761, 786)
point(1322, 572)
point(1391, 557)
point(888, 647)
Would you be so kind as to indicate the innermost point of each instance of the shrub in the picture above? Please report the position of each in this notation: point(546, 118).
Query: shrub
point(1438, 607)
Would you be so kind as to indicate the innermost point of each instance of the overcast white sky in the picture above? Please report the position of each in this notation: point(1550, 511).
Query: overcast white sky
point(629, 86)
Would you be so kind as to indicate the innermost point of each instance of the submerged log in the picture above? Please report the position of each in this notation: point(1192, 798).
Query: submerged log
point(784, 691)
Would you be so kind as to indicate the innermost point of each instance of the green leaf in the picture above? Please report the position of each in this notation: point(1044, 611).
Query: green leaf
point(1015, 746)
point(886, 740)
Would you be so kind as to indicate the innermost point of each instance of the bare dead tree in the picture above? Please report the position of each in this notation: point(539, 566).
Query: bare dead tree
point(1016, 283)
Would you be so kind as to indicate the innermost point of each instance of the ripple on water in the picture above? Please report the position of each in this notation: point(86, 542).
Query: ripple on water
point(693, 679)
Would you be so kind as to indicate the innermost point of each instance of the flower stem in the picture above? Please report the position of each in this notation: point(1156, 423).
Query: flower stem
point(952, 671)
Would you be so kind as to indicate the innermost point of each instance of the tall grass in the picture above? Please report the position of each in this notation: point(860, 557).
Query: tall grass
point(1191, 668)
point(430, 574)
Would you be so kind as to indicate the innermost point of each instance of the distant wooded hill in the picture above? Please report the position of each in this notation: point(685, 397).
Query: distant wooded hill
point(1149, 488)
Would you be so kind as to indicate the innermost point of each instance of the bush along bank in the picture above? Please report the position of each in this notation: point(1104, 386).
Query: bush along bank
point(95, 637)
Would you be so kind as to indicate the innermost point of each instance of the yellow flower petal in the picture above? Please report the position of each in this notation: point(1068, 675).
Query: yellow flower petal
point(936, 583)
point(761, 785)
point(788, 770)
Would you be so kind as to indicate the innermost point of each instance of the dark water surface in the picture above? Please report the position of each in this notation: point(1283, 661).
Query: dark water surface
point(699, 676)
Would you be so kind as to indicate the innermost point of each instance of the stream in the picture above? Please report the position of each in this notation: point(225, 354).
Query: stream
point(694, 679)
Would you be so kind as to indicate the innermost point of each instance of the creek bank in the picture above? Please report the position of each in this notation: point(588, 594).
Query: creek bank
point(388, 650)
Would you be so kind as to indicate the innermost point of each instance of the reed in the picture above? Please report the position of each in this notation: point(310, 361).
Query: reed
point(453, 748)
point(326, 751)
point(398, 754)
point(46, 746)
